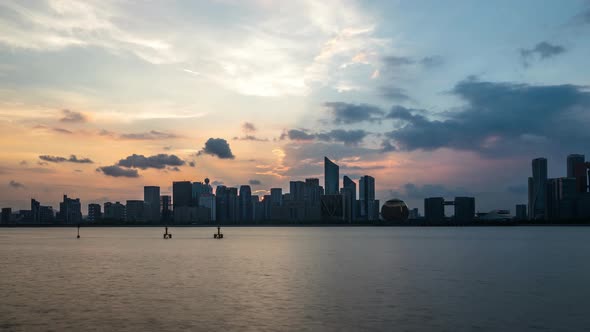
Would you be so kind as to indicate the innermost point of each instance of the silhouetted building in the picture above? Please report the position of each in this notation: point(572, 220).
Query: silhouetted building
point(332, 207)
point(114, 211)
point(35, 211)
point(434, 209)
point(561, 197)
point(521, 212)
point(297, 190)
point(245, 205)
point(538, 189)
point(208, 201)
point(134, 211)
point(166, 210)
point(414, 214)
point(199, 188)
point(276, 196)
point(395, 210)
point(331, 177)
point(349, 193)
point(573, 160)
point(70, 211)
point(369, 207)
point(6, 215)
point(94, 212)
point(151, 199)
point(182, 193)
point(464, 209)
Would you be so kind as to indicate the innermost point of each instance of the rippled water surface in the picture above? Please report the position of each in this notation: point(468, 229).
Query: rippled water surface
point(338, 279)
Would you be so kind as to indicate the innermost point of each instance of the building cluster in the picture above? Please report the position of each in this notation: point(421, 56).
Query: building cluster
point(564, 198)
point(197, 203)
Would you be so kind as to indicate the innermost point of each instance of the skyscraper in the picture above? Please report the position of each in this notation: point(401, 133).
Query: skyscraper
point(245, 200)
point(94, 212)
point(165, 203)
point(331, 177)
point(297, 190)
point(151, 198)
point(349, 192)
point(538, 191)
point(70, 211)
point(182, 193)
point(367, 197)
point(572, 161)
point(276, 196)
point(134, 211)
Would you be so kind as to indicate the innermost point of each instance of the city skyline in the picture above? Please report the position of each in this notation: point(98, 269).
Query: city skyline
point(97, 102)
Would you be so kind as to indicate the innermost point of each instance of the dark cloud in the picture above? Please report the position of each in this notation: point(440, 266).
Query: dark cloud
point(432, 61)
point(583, 17)
point(217, 147)
point(54, 129)
point(158, 161)
point(417, 192)
point(498, 118)
point(348, 137)
point(71, 159)
point(117, 171)
point(353, 113)
point(542, 50)
point(192, 163)
point(397, 61)
point(251, 138)
point(427, 61)
point(386, 146)
point(174, 169)
point(248, 127)
point(73, 117)
point(16, 185)
point(149, 135)
point(254, 182)
point(394, 93)
point(297, 135)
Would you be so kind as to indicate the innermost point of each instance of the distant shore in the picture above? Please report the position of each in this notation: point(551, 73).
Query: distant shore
point(368, 224)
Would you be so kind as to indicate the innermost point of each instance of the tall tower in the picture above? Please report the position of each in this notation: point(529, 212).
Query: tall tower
point(151, 199)
point(367, 197)
point(572, 161)
point(539, 189)
point(349, 192)
point(331, 176)
point(245, 204)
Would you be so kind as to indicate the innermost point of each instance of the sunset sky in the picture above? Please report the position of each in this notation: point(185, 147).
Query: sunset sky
point(432, 98)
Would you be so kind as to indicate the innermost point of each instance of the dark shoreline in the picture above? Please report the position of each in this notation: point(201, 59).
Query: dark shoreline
point(488, 224)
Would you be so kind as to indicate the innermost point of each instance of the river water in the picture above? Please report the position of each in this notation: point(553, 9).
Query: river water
point(296, 278)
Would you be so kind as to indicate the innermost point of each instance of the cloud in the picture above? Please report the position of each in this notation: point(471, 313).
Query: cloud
point(73, 117)
point(499, 118)
point(250, 138)
point(542, 50)
point(54, 26)
point(16, 185)
point(432, 61)
point(217, 147)
point(149, 135)
point(217, 183)
point(353, 113)
point(71, 159)
point(54, 129)
point(192, 163)
point(158, 161)
point(394, 93)
point(400, 61)
point(254, 182)
point(248, 127)
point(348, 137)
point(117, 171)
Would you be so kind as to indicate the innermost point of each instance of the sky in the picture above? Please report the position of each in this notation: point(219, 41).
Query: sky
point(432, 98)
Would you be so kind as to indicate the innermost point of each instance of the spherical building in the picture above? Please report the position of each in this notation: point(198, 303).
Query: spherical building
point(395, 210)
